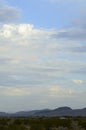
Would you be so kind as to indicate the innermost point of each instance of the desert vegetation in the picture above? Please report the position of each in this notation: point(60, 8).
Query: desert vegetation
point(42, 123)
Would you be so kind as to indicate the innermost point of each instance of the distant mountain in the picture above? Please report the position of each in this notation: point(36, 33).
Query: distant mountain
point(61, 111)
point(3, 114)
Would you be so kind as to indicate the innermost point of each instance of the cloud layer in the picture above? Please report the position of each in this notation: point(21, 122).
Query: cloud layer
point(31, 56)
point(41, 67)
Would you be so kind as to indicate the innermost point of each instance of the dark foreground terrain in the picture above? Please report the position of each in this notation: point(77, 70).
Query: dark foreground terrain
point(43, 123)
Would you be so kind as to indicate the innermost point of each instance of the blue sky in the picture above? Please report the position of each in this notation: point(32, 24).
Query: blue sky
point(42, 54)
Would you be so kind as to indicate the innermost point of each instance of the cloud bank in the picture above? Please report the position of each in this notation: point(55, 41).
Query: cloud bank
point(32, 57)
point(44, 67)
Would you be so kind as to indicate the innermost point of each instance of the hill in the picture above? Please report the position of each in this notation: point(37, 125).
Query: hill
point(58, 112)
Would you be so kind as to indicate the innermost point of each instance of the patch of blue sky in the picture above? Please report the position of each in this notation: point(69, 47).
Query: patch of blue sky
point(46, 14)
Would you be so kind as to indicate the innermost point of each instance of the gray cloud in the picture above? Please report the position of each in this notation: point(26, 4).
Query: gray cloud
point(5, 60)
point(9, 13)
point(75, 32)
point(80, 49)
point(81, 71)
point(31, 77)
point(72, 34)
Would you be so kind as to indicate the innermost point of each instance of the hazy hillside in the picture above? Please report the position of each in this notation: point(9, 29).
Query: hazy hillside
point(61, 111)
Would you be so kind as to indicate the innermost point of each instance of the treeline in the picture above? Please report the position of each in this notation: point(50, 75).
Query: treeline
point(42, 123)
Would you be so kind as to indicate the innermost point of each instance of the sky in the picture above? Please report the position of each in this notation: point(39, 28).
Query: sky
point(42, 54)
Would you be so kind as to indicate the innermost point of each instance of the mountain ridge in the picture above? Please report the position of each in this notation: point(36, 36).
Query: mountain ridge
point(59, 112)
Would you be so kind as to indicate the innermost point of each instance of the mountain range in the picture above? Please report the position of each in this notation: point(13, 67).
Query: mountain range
point(58, 112)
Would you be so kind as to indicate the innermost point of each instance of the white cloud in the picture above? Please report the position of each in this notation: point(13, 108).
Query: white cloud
point(59, 91)
point(77, 81)
point(13, 91)
point(23, 32)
